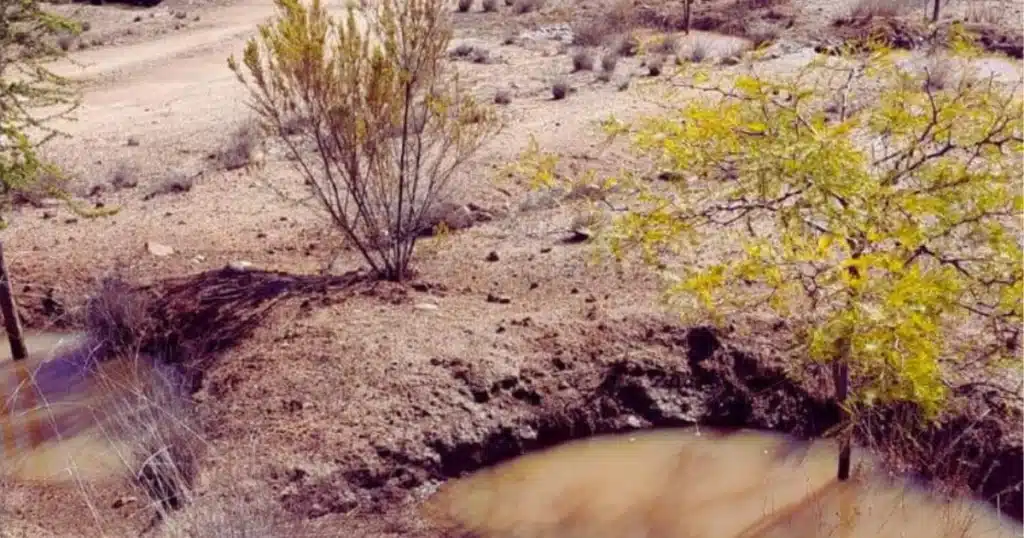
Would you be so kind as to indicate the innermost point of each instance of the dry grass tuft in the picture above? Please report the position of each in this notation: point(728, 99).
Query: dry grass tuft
point(655, 64)
point(527, 6)
point(240, 146)
point(560, 89)
point(582, 60)
point(869, 9)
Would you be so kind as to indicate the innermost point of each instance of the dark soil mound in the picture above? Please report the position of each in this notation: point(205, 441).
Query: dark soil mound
point(715, 384)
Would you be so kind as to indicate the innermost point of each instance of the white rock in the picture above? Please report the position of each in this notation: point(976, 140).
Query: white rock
point(159, 249)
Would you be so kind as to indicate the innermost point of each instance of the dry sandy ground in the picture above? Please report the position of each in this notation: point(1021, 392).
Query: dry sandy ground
point(343, 407)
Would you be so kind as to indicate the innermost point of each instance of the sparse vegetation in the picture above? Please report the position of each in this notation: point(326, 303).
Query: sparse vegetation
point(489, 6)
point(394, 181)
point(582, 60)
point(867, 9)
point(465, 5)
point(696, 51)
point(502, 97)
point(655, 64)
point(608, 62)
point(560, 89)
point(526, 6)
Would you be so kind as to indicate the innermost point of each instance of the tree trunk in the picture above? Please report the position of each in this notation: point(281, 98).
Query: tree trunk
point(935, 11)
point(9, 307)
point(841, 378)
point(686, 15)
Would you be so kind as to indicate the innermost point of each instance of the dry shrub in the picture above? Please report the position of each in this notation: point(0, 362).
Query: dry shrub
point(124, 177)
point(608, 62)
point(980, 12)
point(560, 89)
point(227, 518)
point(117, 317)
point(939, 74)
point(628, 45)
point(582, 60)
point(869, 9)
point(655, 64)
point(176, 182)
point(526, 6)
point(464, 5)
point(697, 50)
point(668, 44)
point(489, 6)
point(502, 97)
point(238, 150)
point(383, 162)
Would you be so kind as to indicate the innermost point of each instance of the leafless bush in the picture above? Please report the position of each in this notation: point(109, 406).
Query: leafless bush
point(117, 317)
point(238, 150)
point(655, 64)
point(124, 177)
point(939, 74)
point(668, 44)
point(867, 9)
point(176, 182)
point(527, 6)
point(465, 5)
point(628, 45)
point(490, 6)
point(696, 51)
point(608, 62)
point(984, 12)
point(388, 142)
point(582, 60)
point(560, 89)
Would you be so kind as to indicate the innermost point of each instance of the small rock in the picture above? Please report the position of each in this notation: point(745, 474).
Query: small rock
point(425, 306)
point(580, 234)
point(132, 141)
point(159, 249)
point(499, 299)
point(123, 501)
point(239, 266)
point(492, 256)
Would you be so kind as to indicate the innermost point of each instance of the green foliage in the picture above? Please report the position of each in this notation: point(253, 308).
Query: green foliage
point(388, 127)
point(878, 215)
point(27, 86)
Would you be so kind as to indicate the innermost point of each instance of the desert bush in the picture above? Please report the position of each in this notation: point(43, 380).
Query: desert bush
point(502, 97)
point(655, 64)
point(608, 62)
point(696, 51)
point(628, 45)
point(560, 89)
point(582, 60)
point(867, 9)
point(238, 149)
point(527, 6)
point(885, 234)
point(355, 84)
point(465, 5)
point(490, 6)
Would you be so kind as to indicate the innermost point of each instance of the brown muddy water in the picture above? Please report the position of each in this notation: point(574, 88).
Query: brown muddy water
point(53, 406)
point(694, 483)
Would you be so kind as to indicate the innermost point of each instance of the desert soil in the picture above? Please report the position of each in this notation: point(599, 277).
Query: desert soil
point(348, 401)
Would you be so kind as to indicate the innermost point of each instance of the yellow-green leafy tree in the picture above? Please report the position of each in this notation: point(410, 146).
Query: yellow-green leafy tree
point(379, 127)
point(31, 98)
point(876, 209)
